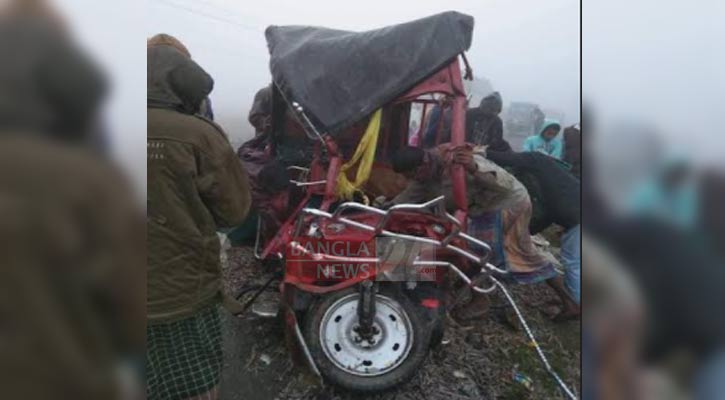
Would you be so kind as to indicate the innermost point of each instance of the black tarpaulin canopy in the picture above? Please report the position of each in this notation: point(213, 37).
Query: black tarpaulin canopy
point(340, 77)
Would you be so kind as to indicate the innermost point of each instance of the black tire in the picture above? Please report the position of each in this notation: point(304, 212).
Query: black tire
point(363, 384)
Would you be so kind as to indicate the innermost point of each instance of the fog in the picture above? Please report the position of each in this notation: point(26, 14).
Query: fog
point(528, 50)
point(658, 64)
point(106, 34)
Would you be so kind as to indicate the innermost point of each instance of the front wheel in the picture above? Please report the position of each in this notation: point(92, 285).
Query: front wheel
point(387, 359)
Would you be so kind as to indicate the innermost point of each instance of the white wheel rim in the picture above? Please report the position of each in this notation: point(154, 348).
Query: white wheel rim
point(344, 348)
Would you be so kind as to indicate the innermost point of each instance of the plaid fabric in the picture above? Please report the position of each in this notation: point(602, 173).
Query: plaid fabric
point(184, 358)
point(488, 227)
point(507, 232)
point(526, 264)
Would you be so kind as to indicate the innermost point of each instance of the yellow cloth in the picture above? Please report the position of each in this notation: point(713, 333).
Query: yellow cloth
point(365, 154)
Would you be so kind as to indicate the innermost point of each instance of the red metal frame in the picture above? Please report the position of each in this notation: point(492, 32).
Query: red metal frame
point(298, 271)
point(446, 81)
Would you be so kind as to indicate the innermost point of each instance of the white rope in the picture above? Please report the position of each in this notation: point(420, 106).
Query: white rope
point(553, 373)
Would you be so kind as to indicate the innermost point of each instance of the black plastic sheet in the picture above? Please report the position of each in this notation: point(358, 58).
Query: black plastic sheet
point(340, 77)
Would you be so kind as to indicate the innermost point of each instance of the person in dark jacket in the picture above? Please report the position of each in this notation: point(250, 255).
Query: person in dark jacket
point(572, 149)
point(490, 190)
point(270, 198)
point(680, 303)
point(196, 185)
point(484, 126)
point(559, 195)
point(260, 115)
point(72, 282)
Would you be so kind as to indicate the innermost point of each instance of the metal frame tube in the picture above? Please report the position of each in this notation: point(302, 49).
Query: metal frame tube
point(458, 272)
point(378, 229)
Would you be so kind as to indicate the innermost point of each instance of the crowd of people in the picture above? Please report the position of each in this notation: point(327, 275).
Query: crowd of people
point(654, 274)
point(197, 186)
point(527, 191)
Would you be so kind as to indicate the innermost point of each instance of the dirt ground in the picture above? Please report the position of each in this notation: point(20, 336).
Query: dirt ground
point(477, 361)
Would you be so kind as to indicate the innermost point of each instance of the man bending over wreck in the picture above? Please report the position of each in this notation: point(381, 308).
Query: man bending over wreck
point(558, 193)
point(490, 189)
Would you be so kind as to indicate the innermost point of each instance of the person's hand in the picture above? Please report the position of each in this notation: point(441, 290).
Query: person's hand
point(379, 201)
point(464, 156)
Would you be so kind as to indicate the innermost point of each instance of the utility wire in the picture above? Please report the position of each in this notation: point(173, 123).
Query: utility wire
point(223, 10)
point(208, 15)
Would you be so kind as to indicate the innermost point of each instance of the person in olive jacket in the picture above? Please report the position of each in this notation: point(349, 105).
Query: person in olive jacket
point(196, 185)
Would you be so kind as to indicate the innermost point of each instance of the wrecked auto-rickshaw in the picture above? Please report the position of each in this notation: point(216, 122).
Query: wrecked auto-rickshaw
point(363, 292)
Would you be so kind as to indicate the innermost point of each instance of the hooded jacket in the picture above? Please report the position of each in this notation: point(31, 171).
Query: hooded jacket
point(196, 184)
point(261, 109)
point(572, 150)
point(677, 205)
point(483, 125)
point(72, 273)
point(537, 143)
point(48, 86)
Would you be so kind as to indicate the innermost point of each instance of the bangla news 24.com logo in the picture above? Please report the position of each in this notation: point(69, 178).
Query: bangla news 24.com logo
point(382, 259)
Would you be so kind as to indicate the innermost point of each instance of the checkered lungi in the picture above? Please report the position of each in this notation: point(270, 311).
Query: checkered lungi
point(507, 232)
point(184, 358)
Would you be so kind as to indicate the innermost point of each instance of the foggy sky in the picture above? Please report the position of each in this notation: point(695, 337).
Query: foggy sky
point(529, 50)
point(659, 64)
point(651, 62)
point(107, 33)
